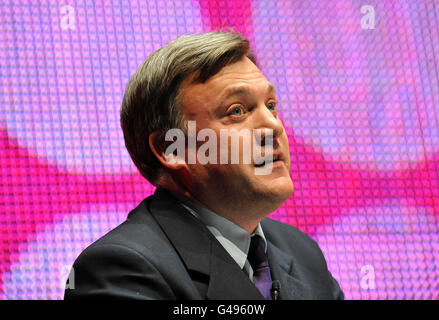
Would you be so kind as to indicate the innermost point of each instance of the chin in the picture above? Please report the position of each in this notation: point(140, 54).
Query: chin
point(278, 191)
point(285, 189)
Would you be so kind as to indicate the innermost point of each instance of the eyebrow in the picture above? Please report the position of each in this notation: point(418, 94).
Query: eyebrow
point(244, 90)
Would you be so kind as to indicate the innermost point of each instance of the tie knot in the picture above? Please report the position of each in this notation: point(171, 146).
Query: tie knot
point(256, 253)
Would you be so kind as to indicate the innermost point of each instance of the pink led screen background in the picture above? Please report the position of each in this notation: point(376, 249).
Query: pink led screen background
point(358, 90)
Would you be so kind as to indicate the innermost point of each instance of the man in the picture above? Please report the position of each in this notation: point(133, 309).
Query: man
point(204, 233)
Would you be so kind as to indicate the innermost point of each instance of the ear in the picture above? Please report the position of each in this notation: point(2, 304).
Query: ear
point(160, 148)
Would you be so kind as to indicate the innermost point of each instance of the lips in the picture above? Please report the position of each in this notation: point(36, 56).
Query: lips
point(263, 162)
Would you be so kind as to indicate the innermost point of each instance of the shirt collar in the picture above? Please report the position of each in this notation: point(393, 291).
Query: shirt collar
point(235, 239)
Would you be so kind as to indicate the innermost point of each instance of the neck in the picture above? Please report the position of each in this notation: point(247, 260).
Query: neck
point(246, 221)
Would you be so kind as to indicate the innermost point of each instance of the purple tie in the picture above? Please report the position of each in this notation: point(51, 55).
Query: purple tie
point(259, 263)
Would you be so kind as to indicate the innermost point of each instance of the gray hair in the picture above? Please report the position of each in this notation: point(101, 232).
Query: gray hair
point(151, 101)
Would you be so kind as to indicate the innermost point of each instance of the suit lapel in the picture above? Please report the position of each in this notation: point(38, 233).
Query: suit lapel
point(227, 280)
point(282, 269)
point(200, 252)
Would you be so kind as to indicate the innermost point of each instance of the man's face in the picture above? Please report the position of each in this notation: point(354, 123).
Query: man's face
point(238, 97)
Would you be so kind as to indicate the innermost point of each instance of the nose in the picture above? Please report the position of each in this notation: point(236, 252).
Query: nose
point(269, 123)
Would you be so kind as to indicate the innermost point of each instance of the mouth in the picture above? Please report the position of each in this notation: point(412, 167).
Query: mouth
point(273, 159)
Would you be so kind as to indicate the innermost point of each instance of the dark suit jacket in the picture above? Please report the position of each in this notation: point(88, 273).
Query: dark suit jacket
point(163, 252)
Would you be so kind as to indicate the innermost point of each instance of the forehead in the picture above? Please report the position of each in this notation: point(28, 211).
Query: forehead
point(242, 76)
point(243, 71)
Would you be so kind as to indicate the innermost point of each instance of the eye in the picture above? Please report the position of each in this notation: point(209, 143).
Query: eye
point(236, 111)
point(271, 106)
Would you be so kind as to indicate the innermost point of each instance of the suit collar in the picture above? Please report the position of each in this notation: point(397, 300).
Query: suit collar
point(235, 239)
point(200, 251)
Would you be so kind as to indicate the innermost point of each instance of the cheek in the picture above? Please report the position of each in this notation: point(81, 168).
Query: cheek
point(285, 142)
point(288, 163)
point(286, 150)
